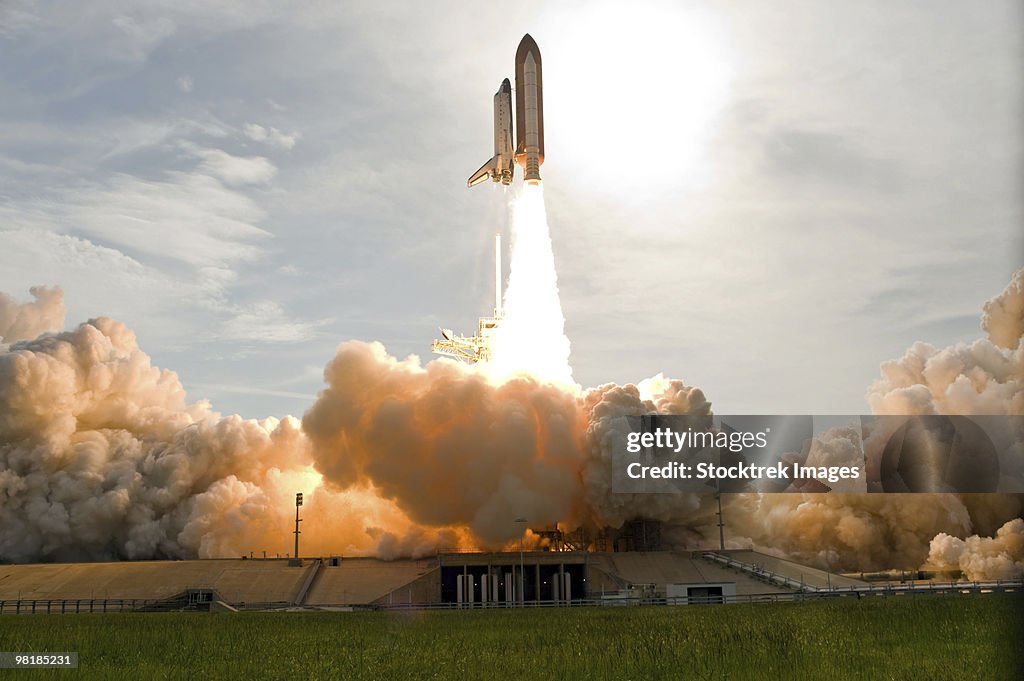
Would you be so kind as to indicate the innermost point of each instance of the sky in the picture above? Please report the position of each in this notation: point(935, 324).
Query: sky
point(764, 199)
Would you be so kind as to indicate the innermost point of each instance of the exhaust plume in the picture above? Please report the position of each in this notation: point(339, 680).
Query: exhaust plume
point(448, 446)
point(531, 339)
point(982, 558)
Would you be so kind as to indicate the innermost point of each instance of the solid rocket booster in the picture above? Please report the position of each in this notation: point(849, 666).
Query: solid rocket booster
point(500, 165)
point(529, 110)
point(529, 149)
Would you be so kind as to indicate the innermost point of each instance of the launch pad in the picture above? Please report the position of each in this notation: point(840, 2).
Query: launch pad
point(448, 580)
point(469, 349)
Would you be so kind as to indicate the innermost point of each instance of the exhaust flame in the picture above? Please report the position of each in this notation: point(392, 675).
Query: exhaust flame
point(531, 339)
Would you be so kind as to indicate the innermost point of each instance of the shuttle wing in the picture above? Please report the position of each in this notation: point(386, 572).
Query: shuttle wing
point(489, 169)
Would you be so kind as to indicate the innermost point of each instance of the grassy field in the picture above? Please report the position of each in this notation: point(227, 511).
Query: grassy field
point(924, 637)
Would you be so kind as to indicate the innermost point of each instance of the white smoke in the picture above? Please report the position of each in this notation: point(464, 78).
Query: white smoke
point(981, 558)
point(896, 531)
point(447, 445)
point(101, 458)
point(983, 377)
point(605, 407)
point(25, 321)
point(1003, 317)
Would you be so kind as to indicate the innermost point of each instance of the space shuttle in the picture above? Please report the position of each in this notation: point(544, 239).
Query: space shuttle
point(529, 150)
point(499, 168)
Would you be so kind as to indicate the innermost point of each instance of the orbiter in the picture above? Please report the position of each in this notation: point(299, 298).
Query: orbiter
point(500, 165)
point(529, 149)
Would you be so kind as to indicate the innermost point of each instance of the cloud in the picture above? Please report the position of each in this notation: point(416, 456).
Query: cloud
point(144, 31)
point(271, 136)
point(236, 170)
point(827, 156)
point(17, 16)
point(125, 137)
point(79, 264)
point(185, 83)
point(187, 231)
point(267, 322)
point(143, 34)
point(190, 217)
point(253, 390)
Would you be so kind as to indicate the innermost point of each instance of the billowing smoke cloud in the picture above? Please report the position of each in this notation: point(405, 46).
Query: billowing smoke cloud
point(864, 532)
point(1003, 316)
point(861, 532)
point(25, 321)
point(448, 446)
point(605, 407)
point(979, 558)
point(983, 377)
point(101, 457)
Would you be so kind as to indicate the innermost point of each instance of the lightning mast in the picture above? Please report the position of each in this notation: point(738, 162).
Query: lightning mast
point(478, 348)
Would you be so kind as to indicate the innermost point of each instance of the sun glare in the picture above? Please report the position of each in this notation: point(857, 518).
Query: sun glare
point(632, 92)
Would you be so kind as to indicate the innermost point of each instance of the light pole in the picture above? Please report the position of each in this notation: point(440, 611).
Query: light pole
point(298, 503)
point(522, 564)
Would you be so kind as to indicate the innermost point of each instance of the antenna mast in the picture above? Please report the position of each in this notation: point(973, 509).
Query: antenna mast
point(478, 348)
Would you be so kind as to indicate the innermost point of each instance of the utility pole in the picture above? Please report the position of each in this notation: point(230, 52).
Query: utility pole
point(298, 504)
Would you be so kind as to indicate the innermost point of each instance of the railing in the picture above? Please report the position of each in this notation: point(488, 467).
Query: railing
point(267, 605)
point(72, 606)
point(997, 586)
point(68, 606)
point(759, 572)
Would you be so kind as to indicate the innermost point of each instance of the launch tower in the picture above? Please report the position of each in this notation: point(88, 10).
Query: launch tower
point(478, 348)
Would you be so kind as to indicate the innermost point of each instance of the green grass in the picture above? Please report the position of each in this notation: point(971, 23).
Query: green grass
point(923, 637)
